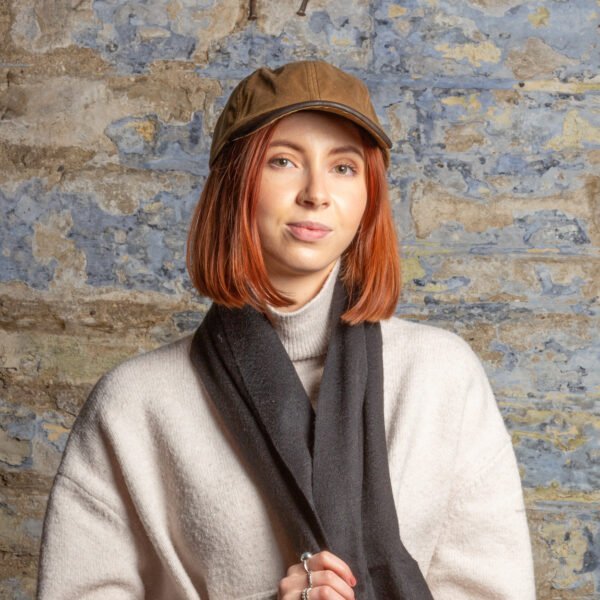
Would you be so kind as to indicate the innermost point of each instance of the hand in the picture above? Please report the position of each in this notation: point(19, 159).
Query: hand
point(332, 579)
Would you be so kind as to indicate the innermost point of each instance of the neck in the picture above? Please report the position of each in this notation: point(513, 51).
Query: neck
point(300, 290)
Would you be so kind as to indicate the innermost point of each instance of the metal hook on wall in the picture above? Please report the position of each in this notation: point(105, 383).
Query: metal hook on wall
point(302, 9)
point(252, 11)
point(253, 14)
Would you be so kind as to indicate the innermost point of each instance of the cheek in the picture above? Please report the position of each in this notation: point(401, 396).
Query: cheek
point(271, 201)
point(263, 219)
point(357, 209)
point(269, 217)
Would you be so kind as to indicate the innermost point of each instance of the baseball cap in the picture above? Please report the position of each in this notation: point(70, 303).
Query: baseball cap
point(270, 94)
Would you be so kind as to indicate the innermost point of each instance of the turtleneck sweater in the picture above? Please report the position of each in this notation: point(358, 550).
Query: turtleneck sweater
point(305, 334)
point(153, 498)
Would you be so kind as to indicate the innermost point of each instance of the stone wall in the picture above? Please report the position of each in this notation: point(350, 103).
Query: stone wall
point(106, 110)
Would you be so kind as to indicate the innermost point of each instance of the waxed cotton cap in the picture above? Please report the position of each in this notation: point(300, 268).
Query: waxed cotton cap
point(269, 94)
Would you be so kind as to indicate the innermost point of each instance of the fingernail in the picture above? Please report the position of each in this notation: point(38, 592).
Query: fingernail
point(353, 581)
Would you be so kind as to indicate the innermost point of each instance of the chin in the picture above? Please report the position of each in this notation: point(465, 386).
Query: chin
point(304, 266)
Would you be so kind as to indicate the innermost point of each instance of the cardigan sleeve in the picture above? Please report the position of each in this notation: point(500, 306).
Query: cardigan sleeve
point(93, 545)
point(484, 549)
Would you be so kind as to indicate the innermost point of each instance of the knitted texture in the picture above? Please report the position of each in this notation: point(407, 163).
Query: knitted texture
point(153, 499)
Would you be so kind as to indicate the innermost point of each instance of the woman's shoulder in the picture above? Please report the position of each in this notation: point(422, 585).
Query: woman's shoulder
point(151, 374)
point(422, 339)
point(429, 352)
point(161, 360)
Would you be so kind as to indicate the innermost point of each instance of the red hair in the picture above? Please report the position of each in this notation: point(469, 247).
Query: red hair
point(224, 256)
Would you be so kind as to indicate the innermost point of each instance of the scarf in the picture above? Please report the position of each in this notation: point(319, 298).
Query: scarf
point(325, 473)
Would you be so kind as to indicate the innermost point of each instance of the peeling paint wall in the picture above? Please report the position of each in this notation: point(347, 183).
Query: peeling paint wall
point(106, 109)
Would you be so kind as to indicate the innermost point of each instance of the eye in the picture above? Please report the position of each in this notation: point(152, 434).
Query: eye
point(280, 161)
point(345, 169)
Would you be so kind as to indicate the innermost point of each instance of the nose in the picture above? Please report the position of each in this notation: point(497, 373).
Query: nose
point(313, 193)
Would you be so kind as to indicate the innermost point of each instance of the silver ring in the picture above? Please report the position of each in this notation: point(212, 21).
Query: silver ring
point(306, 591)
point(304, 558)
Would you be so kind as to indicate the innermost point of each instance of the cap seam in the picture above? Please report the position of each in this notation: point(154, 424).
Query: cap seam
point(316, 79)
point(308, 79)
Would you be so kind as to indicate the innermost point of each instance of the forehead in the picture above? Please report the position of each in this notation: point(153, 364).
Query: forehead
point(312, 122)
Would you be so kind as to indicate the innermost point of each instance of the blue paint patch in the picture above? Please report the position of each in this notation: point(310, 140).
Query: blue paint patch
point(172, 148)
point(20, 212)
point(549, 288)
point(152, 257)
point(547, 464)
point(551, 228)
point(320, 21)
point(510, 358)
point(411, 49)
point(22, 428)
point(126, 46)
point(33, 528)
point(187, 321)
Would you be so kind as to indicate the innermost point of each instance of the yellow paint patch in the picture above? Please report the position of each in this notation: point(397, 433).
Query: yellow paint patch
point(50, 241)
point(396, 11)
point(542, 250)
point(552, 85)
point(576, 131)
point(173, 9)
point(341, 41)
point(54, 431)
point(154, 207)
point(152, 33)
point(540, 17)
point(476, 54)
point(565, 432)
point(460, 138)
point(412, 269)
point(502, 118)
point(470, 102)
point(561, 441)
point(555, 492)
point(147, 129)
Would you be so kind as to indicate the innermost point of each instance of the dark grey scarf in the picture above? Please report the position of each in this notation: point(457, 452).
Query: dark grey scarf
point(326, 474)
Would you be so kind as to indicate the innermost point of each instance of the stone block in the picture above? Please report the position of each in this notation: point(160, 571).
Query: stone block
point(565, 540)
point(565, 222)
point(557, 446)
point(538, 280)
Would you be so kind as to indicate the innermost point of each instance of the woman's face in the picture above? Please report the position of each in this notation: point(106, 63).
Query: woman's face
point(312, 195)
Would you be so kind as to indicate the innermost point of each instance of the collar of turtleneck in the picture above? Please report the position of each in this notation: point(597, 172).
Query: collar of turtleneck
point(305, 332)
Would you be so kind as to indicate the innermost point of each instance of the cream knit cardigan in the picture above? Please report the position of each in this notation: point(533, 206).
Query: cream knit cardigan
point(153, 499)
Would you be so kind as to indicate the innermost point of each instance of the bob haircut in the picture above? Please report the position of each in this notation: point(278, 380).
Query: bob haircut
point(224, 256)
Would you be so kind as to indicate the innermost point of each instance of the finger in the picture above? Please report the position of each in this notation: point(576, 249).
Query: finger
point(321, 579)
point(324, 593)
point(330, 579)
point(327, 561)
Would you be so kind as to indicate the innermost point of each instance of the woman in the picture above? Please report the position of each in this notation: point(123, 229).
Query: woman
point(303, 443)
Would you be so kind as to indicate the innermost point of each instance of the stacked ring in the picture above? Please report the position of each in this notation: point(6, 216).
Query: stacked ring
point(304, 558)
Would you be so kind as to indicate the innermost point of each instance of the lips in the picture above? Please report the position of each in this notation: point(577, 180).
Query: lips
point(308, 231)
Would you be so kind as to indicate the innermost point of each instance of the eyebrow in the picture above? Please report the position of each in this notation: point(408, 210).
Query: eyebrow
point(337, 150)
